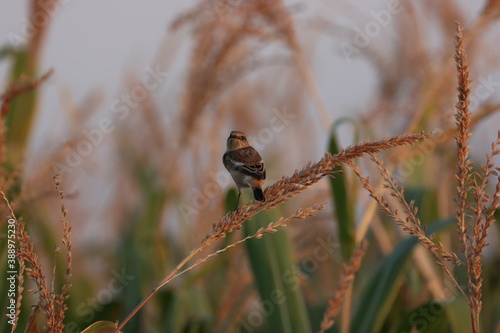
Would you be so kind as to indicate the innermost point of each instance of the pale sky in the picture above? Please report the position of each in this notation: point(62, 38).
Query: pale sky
point(93, 44)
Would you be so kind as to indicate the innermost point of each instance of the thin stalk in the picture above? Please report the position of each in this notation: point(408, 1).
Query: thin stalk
point(165, 281)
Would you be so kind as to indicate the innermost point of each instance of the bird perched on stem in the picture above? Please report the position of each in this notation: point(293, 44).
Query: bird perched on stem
point(245, 165)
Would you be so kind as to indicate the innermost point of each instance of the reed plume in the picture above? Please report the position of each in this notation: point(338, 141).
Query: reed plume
point(49, 301)
point(475, 208)
point(478, 212)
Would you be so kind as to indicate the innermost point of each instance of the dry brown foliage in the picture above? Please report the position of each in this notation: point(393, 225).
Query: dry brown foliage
point(50, 302)
point(20, 87)
point(346, 280)
point(475, 208)
point(227, 43)
point(473, 184)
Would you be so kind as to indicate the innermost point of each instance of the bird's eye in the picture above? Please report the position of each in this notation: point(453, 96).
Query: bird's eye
point(243, 138)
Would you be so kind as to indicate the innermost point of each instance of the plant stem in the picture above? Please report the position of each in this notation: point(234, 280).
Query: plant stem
point(166, 280)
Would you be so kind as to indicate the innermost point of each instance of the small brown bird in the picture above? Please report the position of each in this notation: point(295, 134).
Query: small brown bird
point(245, 165)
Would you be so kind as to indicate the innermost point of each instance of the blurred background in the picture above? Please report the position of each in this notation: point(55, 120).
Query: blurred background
point(135, 116)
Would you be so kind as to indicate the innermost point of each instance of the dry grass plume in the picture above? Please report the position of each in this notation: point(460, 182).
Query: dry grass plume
point(475, 208)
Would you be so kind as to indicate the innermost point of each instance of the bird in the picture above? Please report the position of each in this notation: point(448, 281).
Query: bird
point(245, 165)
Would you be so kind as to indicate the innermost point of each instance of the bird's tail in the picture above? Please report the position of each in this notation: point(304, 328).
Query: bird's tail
point(258, 194)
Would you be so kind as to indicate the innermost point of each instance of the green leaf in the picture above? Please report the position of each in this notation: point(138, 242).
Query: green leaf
point(344, 210)
point(231, 197)
point(22, 110)
point(458, 313)
point(428, 317)
point(100, 327)
point(271, 259)
point(381, 290)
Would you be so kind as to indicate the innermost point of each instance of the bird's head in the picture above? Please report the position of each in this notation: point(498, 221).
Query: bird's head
point(237, 140)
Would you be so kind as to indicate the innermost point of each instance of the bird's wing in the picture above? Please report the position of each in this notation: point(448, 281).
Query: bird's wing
point(246, 160)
